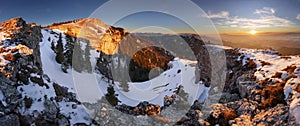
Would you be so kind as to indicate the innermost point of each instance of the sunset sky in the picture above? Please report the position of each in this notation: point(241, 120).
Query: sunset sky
point(230, 16)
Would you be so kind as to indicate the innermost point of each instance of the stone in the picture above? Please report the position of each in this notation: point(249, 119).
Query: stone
point(10, 120)
point(51, 110)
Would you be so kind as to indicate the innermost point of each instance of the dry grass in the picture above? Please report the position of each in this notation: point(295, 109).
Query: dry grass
point(285, 57)
point(9, 57)
point(263, 63)
point(277, 75)
point(272, 95)
point(290, 69)
point(251, 64)
point(225, 116)
point(298, 88)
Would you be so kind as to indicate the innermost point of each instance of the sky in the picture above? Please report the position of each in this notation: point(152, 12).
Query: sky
point(228, 16)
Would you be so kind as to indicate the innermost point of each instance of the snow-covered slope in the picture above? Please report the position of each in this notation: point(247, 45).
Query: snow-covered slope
point(167, 83)
point(50, 66)
point(153, 91)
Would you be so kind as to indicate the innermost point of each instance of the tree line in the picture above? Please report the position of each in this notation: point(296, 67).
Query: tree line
point(71, 55)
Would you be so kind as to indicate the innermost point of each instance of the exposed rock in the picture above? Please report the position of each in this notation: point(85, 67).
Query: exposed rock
point(244, 82)
point(50, 111)
point(37, 80)
point(62, 121)
point(46, 77)
point(228, 97)
point(9, 120)
point(62, 92)
point(243, 120)
point(21, 33)
point(277, 116)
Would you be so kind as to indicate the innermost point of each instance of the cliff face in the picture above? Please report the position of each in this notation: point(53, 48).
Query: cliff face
point(101, 36)
point(138, 55)
point(113, 42)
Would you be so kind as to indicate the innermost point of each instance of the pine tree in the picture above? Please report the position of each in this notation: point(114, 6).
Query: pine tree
point(87, 54)
point(53, 46)
point(111, 97)
point(69, 50)
point(77, 58)
point(59, 50)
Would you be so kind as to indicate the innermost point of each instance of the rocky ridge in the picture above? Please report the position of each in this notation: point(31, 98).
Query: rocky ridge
point(28, 96)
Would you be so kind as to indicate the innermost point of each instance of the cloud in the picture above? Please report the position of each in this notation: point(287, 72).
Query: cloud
point(265, 10)
point(262, 22)
point(298, 17)
point(222, 14)
point(266, 19)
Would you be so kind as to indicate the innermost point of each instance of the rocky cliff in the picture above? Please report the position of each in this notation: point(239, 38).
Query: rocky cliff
point(28, 96)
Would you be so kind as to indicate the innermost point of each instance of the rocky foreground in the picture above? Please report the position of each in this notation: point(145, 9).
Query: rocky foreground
point(262, 88)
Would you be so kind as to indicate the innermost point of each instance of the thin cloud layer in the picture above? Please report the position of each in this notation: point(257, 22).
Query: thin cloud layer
point(298, 17)
point(222, 14)
point(265, 10)
point(262, 22)
point(266, 18)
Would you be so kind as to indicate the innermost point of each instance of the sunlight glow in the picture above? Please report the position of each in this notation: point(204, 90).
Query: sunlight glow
point(252, 32)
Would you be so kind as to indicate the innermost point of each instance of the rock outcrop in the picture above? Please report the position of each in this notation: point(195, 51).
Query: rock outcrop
point(21, 69)
point(21, 33)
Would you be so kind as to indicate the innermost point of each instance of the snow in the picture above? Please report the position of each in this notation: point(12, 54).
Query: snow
point(22, 49)
point(2, 98)
point(77, 115)
point(53, 70)
point(37, 94)
point(1, 36)
point(277, 64)
point(91, 87)
point(3, 62)
point(50, 66)
point(152, 90)
point(290, 89)
point(295, 108)
point(155, 89)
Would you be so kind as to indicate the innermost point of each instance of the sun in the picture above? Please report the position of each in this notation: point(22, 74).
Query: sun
point(252, 32)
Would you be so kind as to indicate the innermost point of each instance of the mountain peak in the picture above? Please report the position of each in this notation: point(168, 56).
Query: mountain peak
point(12, 26)
point(13, 22)
point(73, 27)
